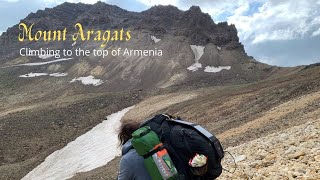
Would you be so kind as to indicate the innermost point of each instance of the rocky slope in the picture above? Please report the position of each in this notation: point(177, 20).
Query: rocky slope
point(240, 114)
point(290, 154)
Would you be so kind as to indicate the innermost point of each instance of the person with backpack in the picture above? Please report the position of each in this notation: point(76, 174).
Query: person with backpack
point(131, 164)
point(173, 149)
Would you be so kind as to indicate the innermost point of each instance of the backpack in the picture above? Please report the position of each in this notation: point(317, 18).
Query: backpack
point(157, 161)
point(182, 140)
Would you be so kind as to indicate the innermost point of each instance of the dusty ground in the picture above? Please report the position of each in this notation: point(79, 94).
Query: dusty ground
point(236, 114)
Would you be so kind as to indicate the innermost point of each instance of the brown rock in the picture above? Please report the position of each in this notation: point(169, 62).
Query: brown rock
point(296, 155)
point(270, 157)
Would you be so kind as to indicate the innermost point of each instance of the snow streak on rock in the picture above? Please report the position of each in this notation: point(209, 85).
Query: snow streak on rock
point(33, 75)
point(155, 39)
point(216, 69)
point(43, 74)
point(89, 80)
point(198, 52)
point(58, 74)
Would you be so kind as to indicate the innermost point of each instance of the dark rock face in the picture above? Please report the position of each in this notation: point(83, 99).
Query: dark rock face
point(193, 23)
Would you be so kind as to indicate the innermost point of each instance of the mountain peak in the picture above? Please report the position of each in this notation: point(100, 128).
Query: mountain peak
point(159, 20)
point(195, 9)
point(162, 10)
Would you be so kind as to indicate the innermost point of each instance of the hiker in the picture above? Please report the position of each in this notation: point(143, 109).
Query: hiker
point(131, 164)
point(176, 149)
point(165, 147)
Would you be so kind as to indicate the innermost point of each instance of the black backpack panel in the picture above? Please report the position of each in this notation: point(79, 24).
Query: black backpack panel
point(183, 140)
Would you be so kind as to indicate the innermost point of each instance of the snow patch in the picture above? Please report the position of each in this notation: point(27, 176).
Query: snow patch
point(89, 80)
point(198, 52)
point(155, 39)
point(33, 75)
point(219, 48)
point(195, 67)
point(89, 151)
point(216, 69)
point(43, 74)
point(58, 74)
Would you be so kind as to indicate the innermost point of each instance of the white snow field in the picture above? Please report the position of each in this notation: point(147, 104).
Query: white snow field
point(198, 52)
point(89, 80)
point(91, 150)
point(155, 39)
point(43, 74)
point(213, 69)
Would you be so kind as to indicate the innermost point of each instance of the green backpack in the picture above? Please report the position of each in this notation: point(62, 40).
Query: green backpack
point(156, 158)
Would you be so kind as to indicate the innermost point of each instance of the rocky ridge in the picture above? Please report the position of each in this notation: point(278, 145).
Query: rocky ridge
point(159, 20)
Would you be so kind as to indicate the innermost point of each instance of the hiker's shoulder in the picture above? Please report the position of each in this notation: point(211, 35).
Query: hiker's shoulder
point(131, 156)
point(126, 147)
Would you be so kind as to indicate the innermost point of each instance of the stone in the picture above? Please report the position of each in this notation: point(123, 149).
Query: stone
point(267, 163)
point(240, 158)
point(296, 174)
point(290, 176)
point(302, 171)
point(270, 157)
point(296, 155)
point(254, 164)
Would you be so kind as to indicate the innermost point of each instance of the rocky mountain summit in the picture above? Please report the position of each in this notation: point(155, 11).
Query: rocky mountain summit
point(159, 20)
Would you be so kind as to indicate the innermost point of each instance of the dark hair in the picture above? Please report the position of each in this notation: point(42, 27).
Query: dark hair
point(125, 131)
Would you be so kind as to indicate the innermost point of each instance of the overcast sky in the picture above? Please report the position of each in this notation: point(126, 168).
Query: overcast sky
point(277, 32)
